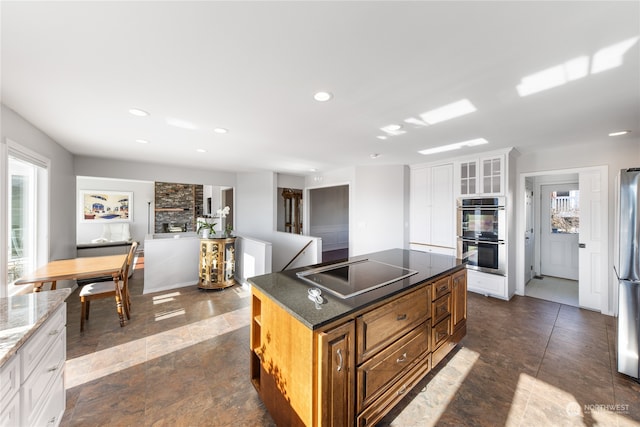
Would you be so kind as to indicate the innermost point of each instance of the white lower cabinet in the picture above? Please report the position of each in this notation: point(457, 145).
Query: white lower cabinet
point(32, 382)
point(10, 414)
point(487, 284)
point(10, 392)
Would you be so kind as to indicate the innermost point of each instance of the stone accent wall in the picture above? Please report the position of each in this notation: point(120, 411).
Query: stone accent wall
point(177, 205)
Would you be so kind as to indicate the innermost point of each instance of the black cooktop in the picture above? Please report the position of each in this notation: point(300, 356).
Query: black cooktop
point(350, 278)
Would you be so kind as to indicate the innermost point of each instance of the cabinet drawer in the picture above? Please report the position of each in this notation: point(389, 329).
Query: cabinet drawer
point(53, 409)
point(379, 371)
point(10, 412)
point(441, 287)
point(440, 309)
point(440, 332)
point(382, 325)
point(38, 345)
point(376, 411)
point(9, 379)
point(38, 386)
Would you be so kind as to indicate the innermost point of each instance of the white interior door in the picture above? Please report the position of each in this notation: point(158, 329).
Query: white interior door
point(529, 236)
point(593, 240)
point(559, 229)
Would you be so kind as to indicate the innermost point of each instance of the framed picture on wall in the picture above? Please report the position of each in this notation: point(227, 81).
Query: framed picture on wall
point(105, 206)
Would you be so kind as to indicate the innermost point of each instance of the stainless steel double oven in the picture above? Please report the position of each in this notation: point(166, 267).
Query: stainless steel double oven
point(481, 230)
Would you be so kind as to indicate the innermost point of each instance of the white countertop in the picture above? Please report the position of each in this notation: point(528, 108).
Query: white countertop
point(22, 315)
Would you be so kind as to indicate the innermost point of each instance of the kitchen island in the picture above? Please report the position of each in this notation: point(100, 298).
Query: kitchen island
point(349, 360)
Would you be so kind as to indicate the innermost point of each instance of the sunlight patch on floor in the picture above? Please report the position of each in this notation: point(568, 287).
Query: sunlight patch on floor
point(532, 394)
point(101, 363)
point(429, 405)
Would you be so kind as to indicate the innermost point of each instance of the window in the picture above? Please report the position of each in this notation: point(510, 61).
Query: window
point(565, 212)
point(27, 213)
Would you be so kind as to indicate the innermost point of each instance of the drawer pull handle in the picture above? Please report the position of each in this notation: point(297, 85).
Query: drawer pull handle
point(401, 317)
point(54, 332)
point(442, 288)
point(52, 369)
point(402, 358)
point(402, 390)
point(340, 360)
point(52, 421)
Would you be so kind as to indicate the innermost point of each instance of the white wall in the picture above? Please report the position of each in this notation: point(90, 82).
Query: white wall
point(255, 204)
point(379, 218)
point(290, 181)
point(141, 171)
point(143, 192)
point(62, 183)
point(378, 205)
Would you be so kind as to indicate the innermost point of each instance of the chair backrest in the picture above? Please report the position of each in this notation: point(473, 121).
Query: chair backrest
point(124, 274)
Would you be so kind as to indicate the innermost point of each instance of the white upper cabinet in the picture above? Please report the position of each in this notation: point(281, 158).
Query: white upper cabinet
point(482, 176)
point(468, 177)
point(492, 175)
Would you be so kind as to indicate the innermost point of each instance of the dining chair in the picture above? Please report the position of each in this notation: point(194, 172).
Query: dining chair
point(112, 288)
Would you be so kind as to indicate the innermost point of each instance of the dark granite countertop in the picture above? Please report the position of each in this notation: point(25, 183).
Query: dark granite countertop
point(291, 293)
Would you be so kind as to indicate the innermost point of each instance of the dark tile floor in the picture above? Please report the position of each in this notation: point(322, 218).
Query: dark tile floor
point(183, 361)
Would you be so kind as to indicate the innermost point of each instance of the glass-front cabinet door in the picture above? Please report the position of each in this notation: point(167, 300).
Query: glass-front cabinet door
point(492, 175)
point(468, 177)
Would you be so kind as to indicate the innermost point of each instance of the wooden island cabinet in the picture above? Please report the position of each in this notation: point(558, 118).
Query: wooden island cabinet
point(349, 362)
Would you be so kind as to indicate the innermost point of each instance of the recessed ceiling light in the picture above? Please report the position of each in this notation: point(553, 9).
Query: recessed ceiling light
point(142, 141)
point(374, 155)
point(393, 129)
point(313, 170)
point(455, 146)
point(322, 96)
point(201, 150)
point(381, 137)
point(138, 112)
point(220, 130)
point(621, 132)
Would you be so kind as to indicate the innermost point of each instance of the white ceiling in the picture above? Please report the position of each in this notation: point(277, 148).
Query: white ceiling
point(73, 69)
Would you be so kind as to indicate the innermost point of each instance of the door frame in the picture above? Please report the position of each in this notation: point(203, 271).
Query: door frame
point(605, 307)
point(306, 206)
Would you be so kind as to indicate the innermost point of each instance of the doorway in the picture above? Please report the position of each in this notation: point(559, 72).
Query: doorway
point(329, 219)
point(565, 252)
point(555, 230)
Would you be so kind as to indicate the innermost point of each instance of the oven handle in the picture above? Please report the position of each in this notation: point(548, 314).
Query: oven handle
point(481, 207)
point(499, 242)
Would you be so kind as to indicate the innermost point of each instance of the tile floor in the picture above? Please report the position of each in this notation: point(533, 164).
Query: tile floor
point(554, 289)
point(183, 361)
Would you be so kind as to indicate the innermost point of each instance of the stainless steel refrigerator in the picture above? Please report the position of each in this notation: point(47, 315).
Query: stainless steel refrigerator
point(628, 272)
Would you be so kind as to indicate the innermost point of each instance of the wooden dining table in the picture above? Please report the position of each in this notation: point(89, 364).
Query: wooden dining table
point(78, 268)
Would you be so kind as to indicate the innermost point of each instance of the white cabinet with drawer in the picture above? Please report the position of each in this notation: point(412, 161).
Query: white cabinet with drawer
point(32, 358)
point(9, 392)
point(487, 284)
point(32, 381)
point(42, 372)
